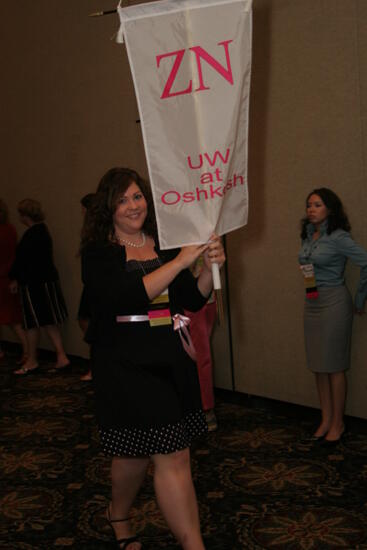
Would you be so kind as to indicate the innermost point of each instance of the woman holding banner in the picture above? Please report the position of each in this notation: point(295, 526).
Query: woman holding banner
point(328, 315)
point(145, 377)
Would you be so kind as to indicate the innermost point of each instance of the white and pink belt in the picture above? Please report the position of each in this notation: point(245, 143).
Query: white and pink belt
point(180, 323)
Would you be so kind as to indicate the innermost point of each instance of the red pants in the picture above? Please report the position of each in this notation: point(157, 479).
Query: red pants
point(201, 327)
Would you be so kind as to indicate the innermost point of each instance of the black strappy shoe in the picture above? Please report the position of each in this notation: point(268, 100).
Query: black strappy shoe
point(123, 543)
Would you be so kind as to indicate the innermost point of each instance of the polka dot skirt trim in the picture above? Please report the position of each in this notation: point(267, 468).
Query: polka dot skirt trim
point(163, 440)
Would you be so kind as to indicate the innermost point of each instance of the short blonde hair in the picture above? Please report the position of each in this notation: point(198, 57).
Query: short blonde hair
point(32, 209)
point(4, 213)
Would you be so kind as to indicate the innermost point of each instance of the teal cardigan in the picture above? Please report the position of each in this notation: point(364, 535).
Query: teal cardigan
point(329, 255)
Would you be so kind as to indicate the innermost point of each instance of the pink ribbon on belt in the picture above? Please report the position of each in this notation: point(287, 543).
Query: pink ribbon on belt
point(180, 323)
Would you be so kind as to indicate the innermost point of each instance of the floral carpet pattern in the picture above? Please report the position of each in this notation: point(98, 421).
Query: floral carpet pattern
point(261, 483)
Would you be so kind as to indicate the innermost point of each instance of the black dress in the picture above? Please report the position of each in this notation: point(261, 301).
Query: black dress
point(39, 286)
point(84, 309)
point(146, 386)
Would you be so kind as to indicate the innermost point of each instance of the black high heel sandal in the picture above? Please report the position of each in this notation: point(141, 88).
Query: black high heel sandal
point(335, 442)
point(125, 542)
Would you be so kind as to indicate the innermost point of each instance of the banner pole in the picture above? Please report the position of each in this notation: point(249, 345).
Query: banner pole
point(217, 286)
point(101, 13)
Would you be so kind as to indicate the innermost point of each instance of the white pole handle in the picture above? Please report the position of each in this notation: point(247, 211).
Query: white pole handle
point(216, 277)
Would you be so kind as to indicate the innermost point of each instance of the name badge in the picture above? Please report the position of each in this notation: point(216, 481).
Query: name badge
point(163, 298)
point(159, 314)
point(310, 281)
point(159, 317)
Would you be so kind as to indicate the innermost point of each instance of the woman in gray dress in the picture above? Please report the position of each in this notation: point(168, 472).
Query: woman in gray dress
point(326, 247)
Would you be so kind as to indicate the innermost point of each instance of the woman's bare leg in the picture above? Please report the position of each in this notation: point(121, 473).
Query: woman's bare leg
point(127, 476)
point(32, 335)
point(54, 334)
point(338, 387)
point(324, 391)
point(20, 332)
point(177, 499)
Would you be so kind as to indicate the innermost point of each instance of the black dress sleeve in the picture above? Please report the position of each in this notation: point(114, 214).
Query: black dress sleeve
point(185, 293)
point(18, 264)
point(184, 290)
point(34, 257)
point(23, 258)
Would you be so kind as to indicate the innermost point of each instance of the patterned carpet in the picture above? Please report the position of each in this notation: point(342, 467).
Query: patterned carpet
point(260, 483)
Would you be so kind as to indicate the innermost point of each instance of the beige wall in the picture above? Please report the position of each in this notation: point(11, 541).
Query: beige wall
point(308, 128)
point(70, 114)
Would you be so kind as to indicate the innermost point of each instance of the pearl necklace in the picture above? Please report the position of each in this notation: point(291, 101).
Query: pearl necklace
point(134, 245)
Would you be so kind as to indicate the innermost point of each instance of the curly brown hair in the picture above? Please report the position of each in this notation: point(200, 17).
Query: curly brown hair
point(98, 223)
point(32, 209)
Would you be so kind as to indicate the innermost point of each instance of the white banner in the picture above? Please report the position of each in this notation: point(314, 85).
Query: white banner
point(191, 65)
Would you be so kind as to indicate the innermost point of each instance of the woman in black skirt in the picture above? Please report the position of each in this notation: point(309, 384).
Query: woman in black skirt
point(35, 277)
point(144, 374)
point(326, 247)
